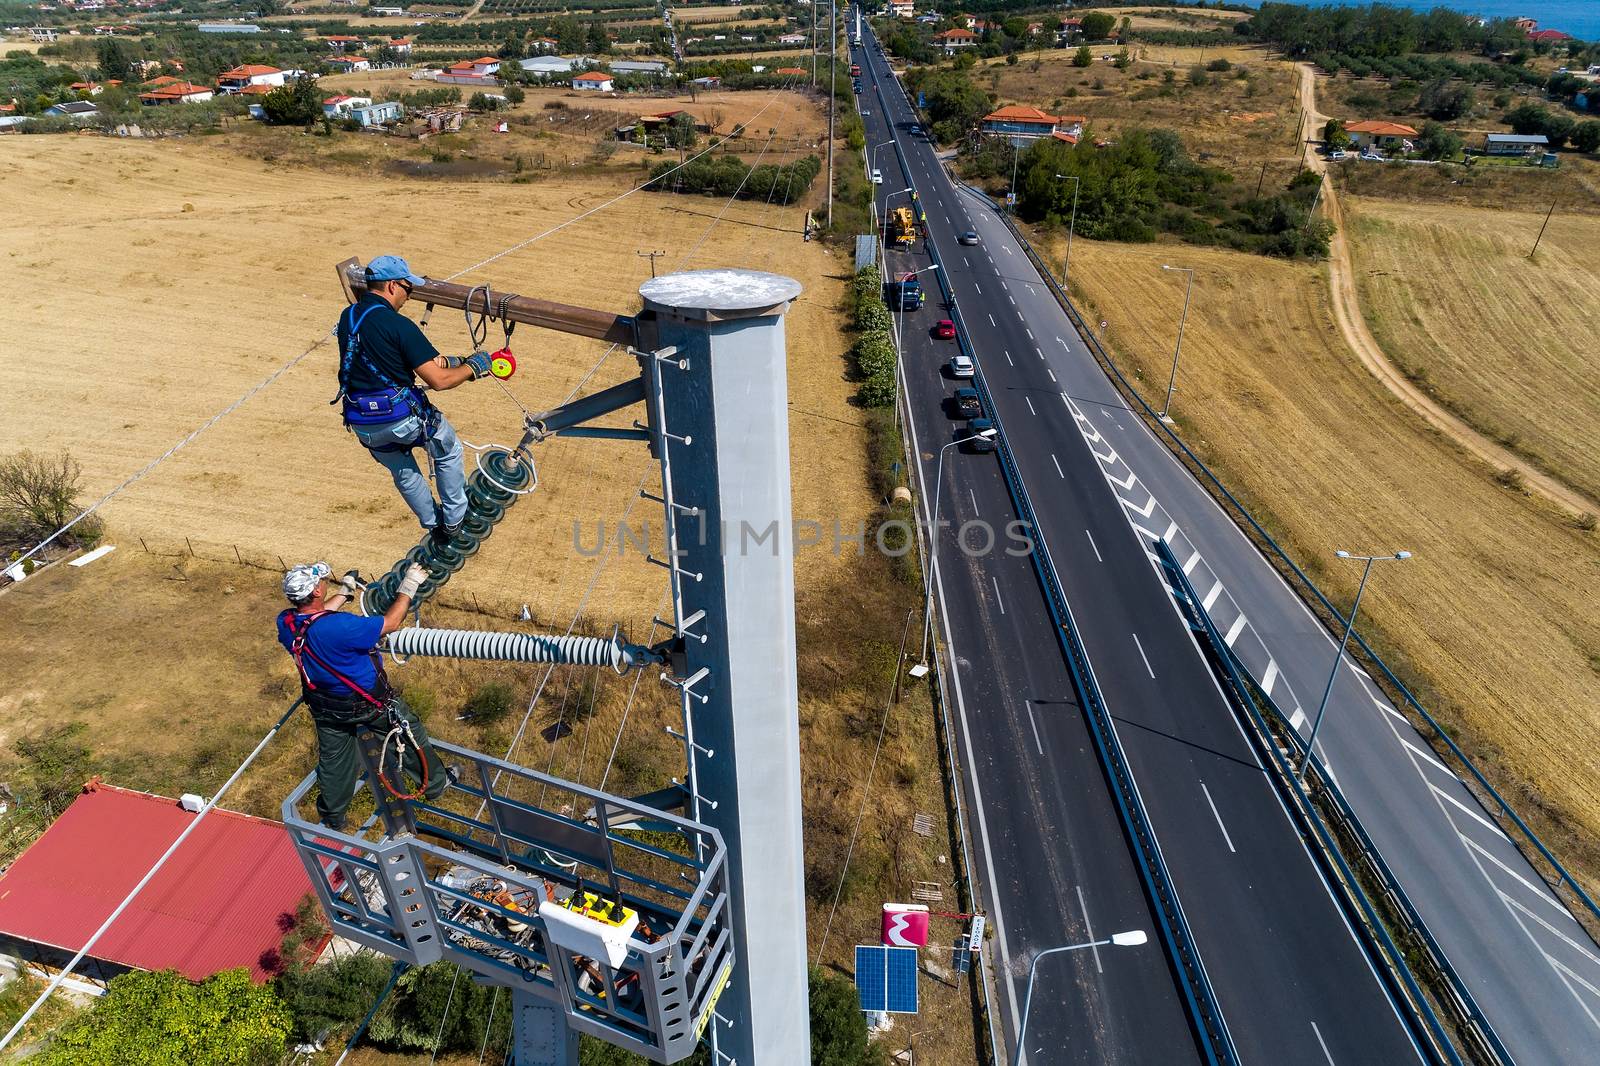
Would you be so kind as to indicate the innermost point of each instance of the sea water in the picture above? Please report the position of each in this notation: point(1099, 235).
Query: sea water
point(1581, 18)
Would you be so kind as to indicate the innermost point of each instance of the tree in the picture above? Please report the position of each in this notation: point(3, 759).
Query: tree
point(114, 59)
point(294, 103)
point(599, 41)
point(1123, 60)
point(1436, 142)
point(838, 1028)
point(512, 48)
point(162, 1019)
point(1082, 57)
point(681, 132)
point(39, 495)
point(1097, 26)
point(1531, 119)
point(384, 56)
point(333, 995)
point(1446, 101)
point(1334, 135)
point(1586, 136)
point(515, 94)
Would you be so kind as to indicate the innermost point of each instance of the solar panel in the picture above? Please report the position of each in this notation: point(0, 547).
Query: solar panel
point(886, 979)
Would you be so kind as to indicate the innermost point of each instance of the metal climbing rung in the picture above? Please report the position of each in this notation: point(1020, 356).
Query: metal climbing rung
point(522, 648)
point(525, 891)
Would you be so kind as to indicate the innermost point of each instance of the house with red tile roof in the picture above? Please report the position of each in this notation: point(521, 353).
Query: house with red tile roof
point(222, 901)
point(593, 81)
point(176, 92)
point(951, 40)
point(240, 78)
point(1021, 125)
point(1381, 133)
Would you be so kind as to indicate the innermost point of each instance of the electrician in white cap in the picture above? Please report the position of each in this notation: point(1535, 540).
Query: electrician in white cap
point(341, 674)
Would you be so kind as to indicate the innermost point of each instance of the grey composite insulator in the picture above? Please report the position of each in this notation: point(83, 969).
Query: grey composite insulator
point(520, 648)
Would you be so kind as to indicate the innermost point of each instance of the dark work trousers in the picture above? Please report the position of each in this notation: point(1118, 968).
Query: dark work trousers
point(339, 761)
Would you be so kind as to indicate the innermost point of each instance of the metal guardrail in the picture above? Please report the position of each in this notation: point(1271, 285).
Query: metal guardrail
point(1093, 343)
point(1199, 997)
point(1248, 697)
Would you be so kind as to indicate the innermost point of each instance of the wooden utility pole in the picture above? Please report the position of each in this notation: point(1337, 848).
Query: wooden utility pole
point(1542, 226)
point(1262, 180)
point(653, 257)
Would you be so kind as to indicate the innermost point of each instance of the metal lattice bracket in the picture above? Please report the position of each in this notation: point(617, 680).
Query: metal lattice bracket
point(470, 887)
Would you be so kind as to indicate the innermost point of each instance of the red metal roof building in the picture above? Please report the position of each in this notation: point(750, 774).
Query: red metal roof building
point(220, 902)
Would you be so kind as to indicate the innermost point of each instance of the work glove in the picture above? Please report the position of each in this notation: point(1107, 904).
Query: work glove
point(480, 364)
point(414, 576)
point(351, 583)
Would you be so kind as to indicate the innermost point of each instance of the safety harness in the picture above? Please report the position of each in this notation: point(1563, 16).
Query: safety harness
point(394, 402)
point(344, 711)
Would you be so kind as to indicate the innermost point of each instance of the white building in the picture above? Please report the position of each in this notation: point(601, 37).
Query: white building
point(341, 105)
point(241, 78)
point(593, 81)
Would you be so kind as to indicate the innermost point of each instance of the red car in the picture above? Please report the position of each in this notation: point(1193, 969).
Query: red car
point(944, 329)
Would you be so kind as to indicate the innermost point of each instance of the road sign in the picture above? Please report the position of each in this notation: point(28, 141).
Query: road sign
point(963, 954)
point(922, 99)
point(976, 934)
point(1011, 199)
point(886, 979)
point(905, 925)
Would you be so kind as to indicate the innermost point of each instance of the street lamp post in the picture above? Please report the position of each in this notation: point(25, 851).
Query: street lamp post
point(873, 165)
point(1077, 183)
point(1130, 939)
point(1349, 626)
point(1173, 378)
point(933, 544)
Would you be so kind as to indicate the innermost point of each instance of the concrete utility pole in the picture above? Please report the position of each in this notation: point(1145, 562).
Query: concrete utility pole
point(833, 99)
point(1349, 627)
point(1172, 380)
point(727, 413)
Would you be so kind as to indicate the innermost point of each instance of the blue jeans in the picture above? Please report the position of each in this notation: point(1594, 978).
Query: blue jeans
point(449, 469)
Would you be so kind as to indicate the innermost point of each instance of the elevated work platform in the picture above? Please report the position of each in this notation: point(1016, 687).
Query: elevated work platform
point(625, 931)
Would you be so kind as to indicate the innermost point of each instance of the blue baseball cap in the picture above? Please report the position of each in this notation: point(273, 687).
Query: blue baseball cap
point(392, 268)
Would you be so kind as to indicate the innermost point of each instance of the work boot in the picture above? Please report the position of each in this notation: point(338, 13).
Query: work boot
point(445, 532)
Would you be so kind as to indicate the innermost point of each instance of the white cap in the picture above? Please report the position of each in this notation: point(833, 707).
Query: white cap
point(301, 581)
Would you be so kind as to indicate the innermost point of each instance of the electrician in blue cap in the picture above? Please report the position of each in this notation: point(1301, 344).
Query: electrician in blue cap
point(382, 353)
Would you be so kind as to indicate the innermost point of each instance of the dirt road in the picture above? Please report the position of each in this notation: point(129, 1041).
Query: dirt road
point(1353, 326)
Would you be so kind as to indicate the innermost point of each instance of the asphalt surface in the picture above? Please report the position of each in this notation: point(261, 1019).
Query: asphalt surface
point(1293, 981)
point(1531, 967)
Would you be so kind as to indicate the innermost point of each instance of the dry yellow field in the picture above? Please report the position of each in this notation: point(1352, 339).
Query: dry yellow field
point(1506, 342)
point(1228, 122)
point(194, 274)
point(1496, 614)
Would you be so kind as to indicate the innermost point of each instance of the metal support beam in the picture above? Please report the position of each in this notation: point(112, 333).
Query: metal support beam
point(725, 402)
point(546, 314)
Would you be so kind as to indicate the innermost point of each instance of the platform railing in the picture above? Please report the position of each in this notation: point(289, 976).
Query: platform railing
point(462, 877)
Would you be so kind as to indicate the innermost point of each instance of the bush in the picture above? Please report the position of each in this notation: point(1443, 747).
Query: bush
point(336, 994)
point(1586, 136)
point(161, 1017)
point(1218, 65)
point(838, 1028)
point(39, 495)
point(877, 391)
point(489, 704)
point(424, 1014)
point(1198, 77)
point(875, 355)
point(1082, 57)
point(294, 103)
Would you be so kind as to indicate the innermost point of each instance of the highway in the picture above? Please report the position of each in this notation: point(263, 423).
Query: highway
point(1293, 980)
point(1531, 967)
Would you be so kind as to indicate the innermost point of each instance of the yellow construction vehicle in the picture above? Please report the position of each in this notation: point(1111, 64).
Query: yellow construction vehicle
point(903, 227)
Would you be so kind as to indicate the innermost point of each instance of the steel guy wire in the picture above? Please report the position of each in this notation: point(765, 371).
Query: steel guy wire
point(601, 207)
point(692, 251)
point(866, 793)
point(633, 689)
point(164, 456)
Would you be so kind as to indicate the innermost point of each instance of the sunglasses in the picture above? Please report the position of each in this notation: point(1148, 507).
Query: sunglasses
point(406, 285)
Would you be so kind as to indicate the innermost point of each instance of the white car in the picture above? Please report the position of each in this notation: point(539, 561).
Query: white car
point(961, 367)
point(1338, 154)
point(877, 177)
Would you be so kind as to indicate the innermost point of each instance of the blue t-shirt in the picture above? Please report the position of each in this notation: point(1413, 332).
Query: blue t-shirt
point(391, 342)
point(344, 642)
